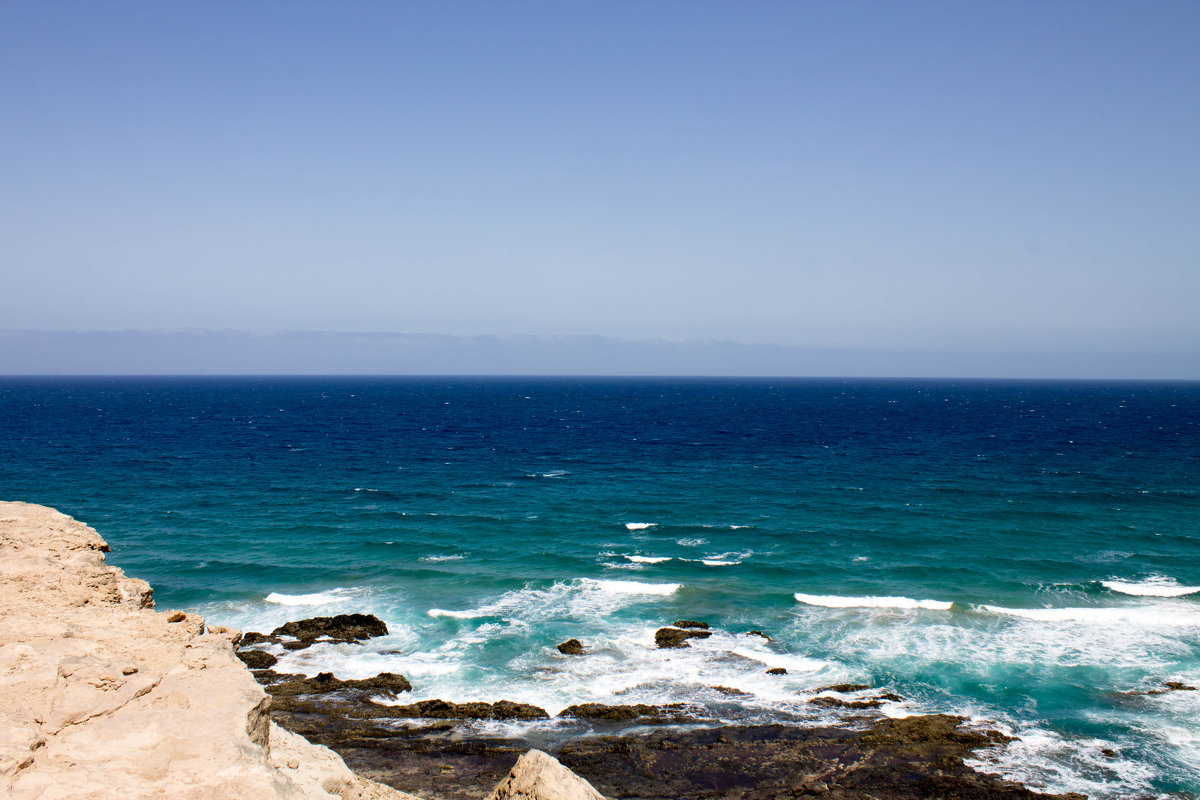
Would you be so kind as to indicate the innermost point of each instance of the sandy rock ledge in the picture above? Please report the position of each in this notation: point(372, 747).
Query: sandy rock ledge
point(103, 697)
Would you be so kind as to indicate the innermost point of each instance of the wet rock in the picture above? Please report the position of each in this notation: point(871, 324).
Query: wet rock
point(759, 634)
point(257, 659)
point(349, 628)
point(837, 702)
point(911, 759)
point(444, 709)
point(1172, 686)
point(676, 637)
point(874, 701)
point(387, 684)
point(691, 623)
point(730, 691)
point(845, 688)
point(572, 647)
point(777, 671)
point(647, 714)
point(254, 637)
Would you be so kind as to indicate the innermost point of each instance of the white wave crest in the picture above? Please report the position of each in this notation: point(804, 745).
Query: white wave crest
point(1166, 616)
point(691, 542)
point(471, 614)
point(639, 526)
point(648, 559)
point(837, 601)
point(437, 558)
point(1153, 586)
point(314, 599)
point(632, 587)
point(580, 599)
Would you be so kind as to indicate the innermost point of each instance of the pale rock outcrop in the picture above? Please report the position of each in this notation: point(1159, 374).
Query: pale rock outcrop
point(538, 776)
point(319, 769)
point(102, 697)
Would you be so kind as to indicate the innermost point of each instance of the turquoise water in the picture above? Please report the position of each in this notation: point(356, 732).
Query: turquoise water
point(1024, 554)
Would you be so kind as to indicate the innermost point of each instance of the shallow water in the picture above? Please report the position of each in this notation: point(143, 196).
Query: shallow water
point(1022, 553)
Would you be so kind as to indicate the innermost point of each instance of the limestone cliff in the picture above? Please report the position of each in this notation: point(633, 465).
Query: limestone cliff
point(103, 697)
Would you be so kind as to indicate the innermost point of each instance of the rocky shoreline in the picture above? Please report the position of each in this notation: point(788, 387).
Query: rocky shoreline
point(103, 697)
point(437, 749)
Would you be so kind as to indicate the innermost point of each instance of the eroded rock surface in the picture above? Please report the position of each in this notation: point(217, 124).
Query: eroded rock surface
point(539, 776)
point(103, 697)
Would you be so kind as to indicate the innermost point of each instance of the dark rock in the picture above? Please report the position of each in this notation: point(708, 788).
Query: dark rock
point(254, 637)
point(387, 684)
point(444, 709)
point(1108, 752)
point(674, 637)
point(572, 647)
point(759, 633)
point(777, 671)
point(691, 623)
point(351, 628)
point(845, 688)
point(257, 659)
point(729, 691)
point(657, 715)
point(837, 702)
point(294, 644)
point(911, 759)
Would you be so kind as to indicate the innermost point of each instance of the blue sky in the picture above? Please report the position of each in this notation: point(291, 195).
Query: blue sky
point(1001, 176)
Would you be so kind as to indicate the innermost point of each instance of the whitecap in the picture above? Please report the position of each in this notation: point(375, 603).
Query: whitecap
point(838, 601)
point(1156, 616)
point(437, 558)
point(469, 614)
point(691, 542)
point(648, 559)
point(314, 599)
point(1153, 586)
point(632, 587)
point(639, 526)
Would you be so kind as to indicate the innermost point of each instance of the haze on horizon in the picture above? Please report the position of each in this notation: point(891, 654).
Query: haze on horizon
point(1008, 179)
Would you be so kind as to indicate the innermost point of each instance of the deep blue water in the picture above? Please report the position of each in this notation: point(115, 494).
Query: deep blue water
point(1022, 553)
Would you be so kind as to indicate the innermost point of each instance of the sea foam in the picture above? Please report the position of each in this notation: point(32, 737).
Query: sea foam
point(314, 599)
point(639, 526)
point(838, 601)
point(1153, 586)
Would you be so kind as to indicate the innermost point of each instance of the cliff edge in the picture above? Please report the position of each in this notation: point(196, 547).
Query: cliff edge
point(103, 697)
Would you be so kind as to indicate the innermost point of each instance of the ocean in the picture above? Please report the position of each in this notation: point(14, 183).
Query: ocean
point(1025, 554)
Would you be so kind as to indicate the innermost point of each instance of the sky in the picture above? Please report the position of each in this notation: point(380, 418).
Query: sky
point(988, 177)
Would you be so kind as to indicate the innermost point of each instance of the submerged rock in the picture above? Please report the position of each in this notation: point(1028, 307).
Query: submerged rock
point(777, 671)
point(760, 634)
point(676, 637)
point(572, 647)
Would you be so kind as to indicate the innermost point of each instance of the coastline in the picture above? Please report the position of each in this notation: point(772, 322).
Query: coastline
point(99, 686)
